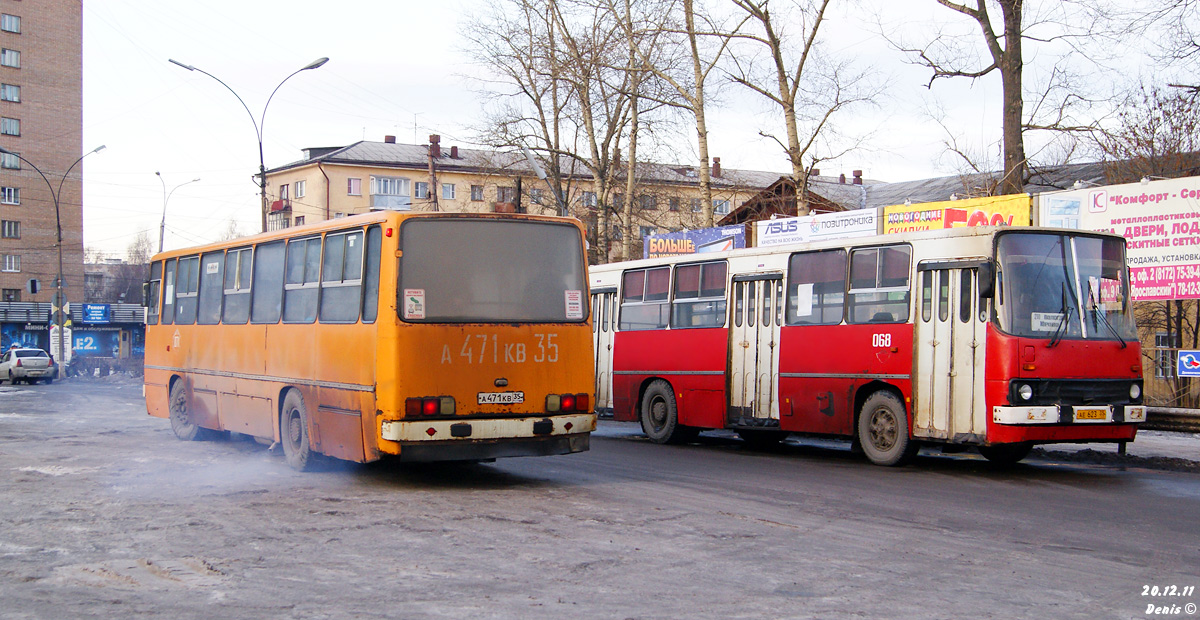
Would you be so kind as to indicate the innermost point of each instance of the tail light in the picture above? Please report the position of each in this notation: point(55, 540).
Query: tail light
point(567, 403)
point(51, 362)
point(18, 363)
point(429, 406)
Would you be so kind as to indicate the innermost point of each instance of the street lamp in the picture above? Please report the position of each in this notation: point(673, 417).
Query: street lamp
point(162, 227)
point(59, 297)
point(258, 124)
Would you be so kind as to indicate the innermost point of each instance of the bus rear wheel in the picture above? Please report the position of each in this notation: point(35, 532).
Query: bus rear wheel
point(660, 416)
point(883, 430)
point(1006, 453)
point(181, 423)
point(293, 433)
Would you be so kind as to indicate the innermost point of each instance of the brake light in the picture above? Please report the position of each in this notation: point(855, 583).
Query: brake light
point(429, 406)
point(567, 403)
point(18, 363)
point(51, 362)
point(581, 403)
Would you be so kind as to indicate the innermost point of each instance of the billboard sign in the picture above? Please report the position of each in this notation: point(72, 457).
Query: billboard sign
point(695, 241)
point(1011, 210)
point(96, 313)
point(1160, 221)
point(1189, 364)
point(806, 228)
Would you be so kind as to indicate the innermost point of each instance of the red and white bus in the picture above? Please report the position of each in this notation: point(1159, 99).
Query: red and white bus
point(998, 338)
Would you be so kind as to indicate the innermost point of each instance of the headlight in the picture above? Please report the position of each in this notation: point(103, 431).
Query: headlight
point(1135, 391)
point(1025, 391)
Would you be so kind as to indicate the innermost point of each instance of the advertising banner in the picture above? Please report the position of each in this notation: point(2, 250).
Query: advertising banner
point(1160, 221)
point(695, 241)
point(96, 343)
point(1013, 210)
point(96, 313)
point(806, 228)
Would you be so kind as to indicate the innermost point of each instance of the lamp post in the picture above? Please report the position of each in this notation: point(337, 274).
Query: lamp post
point(59, 297)
point(258, 124)
point(162, 226)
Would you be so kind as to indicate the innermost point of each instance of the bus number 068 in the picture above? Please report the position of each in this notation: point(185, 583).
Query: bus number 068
point(881, 340)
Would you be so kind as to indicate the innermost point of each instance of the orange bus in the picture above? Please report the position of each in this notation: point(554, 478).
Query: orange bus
point(428, 336)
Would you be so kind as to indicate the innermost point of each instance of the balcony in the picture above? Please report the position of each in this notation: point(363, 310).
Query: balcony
point(390, 202)
point(283, 204)
point(504, 207)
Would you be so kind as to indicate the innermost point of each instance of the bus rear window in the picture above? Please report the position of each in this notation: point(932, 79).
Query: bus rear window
point(461, 270)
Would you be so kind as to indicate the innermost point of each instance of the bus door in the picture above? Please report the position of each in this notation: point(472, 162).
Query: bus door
point(604, 323)
point(950, 354)
point(754, 348)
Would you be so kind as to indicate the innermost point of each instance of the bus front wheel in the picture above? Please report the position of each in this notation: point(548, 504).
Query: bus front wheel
point(660, 416)
point(293, 433)
point(883, 430)
point(181, 423)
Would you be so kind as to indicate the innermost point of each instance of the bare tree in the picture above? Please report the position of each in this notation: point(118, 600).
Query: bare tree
point(231, 231)
point(1054, 102)
point(808, 89)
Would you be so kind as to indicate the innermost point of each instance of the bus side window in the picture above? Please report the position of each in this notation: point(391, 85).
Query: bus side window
point(187, 285)
point(779, 303)
point(644, 303)
point(154, 293)
point(926, 295)
point(341, 277)
point(965, 296)
point(168, 304)
point(604, 315)
point(751, 293)
point(767, 310)
point(371, 275)
point(300, 288)
point(699, 295)
point(212, 288)
point(817, 285)
point(266, 291)
point(879, 291)
point(943, 294)
point(739, 302)
point(237, 286)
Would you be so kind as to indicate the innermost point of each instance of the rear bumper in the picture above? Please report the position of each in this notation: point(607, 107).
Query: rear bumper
point(494, 449)
point(32, 373)
point(1054, 414)
point(474, 438)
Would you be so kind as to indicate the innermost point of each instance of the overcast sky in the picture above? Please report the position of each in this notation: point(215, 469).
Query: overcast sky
point(396, 68)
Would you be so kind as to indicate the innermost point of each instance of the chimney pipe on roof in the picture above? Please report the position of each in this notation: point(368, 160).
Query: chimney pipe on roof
point(857, 177)
point(717, 167)
point(454, 152)
point(435, 145)
point(389, 139)
point(815, 172)
point(842, 178)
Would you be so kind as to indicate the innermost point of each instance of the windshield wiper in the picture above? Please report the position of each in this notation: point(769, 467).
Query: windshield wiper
point(1104, 318)
point(1062, 326)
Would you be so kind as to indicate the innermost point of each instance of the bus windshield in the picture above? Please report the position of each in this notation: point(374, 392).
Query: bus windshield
point(458, 270)
point(1063, 286)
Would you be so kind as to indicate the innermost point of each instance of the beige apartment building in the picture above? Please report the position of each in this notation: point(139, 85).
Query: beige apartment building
point(365, 176)
point(41, 119)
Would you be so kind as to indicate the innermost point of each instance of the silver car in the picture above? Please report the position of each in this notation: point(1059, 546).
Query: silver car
point(27, 365)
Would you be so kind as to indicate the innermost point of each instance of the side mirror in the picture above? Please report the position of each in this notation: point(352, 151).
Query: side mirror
point(145, 294)
point(987, 280)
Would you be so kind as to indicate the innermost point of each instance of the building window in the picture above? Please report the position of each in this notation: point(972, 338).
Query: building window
point(447, 191)
point(697, 205)
point(338, 214)
point(647, 202)
point(10, 195)
point(10, 229)
point(10, 23)
point(589, 200)
point(12, 262)
point(536, 196)
point(10, 126)
point(477, 193)
point(354, 187)
point(12, 294)
point(10, 161)
point(390, 193)
point(283, 191)
point(10, 58)
point(506, 194)
point(1164, 355)
point(673, 204)
point(299, 220)
point(10, 92)
point(300, 187)
point(721, 207)
point(421, 190)
point(645, 231)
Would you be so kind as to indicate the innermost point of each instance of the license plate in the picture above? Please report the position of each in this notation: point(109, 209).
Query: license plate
point(501, 398)
point(1091, 414)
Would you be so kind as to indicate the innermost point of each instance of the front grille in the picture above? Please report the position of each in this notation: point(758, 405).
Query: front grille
point(1074, 392)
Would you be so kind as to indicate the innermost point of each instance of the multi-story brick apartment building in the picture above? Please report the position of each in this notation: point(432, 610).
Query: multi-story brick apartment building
point(41, 119)
point(364, 176)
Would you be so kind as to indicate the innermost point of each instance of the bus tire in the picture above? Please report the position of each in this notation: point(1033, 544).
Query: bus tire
point(293, 433)
point(1006, 453)
point(660, 416)
point(883, 430)
point(181, 422)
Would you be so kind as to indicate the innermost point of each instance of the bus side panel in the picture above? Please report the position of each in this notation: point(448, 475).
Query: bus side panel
point(155, 384)
point(691, 360)
point(822, 368)
point(340, 422)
